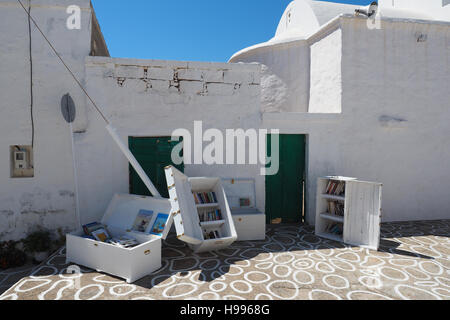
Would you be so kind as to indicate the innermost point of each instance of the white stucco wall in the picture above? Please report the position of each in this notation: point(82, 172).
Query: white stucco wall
point(47, 199)
point(155, 98)
point(326, 74)
point(394, 123)
point(285, 75)
point(396, 97)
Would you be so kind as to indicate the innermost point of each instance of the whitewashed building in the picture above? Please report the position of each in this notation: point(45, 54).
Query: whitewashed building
point(370, 96)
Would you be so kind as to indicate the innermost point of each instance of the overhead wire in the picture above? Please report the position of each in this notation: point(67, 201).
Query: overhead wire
point(63, 62)
point(31, 74)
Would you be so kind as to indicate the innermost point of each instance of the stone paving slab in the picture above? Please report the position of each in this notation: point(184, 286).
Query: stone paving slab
point(291, 263)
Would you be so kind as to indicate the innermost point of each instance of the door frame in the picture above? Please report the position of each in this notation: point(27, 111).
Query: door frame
point(304, 206)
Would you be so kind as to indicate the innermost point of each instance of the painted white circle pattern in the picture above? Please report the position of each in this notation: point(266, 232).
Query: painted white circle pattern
point(291, 263)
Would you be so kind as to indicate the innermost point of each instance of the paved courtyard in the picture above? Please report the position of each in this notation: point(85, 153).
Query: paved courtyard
point(413, 263)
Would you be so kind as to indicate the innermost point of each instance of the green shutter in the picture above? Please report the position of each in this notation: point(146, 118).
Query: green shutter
point(284, 191)
point(153, 154)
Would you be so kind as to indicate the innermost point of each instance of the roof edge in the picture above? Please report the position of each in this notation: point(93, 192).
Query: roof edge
point(325, 30)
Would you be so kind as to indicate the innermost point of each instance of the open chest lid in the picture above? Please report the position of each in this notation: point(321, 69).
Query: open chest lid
point(185, 215)
point(132, 213)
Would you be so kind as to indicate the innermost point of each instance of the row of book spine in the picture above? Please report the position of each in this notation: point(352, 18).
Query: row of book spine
point(205, 197)
point(211, 216)
point(336, 188)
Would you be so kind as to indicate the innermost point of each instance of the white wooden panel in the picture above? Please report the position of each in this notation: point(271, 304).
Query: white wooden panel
point(362, 214)
point(321, 205)
point(129, 264)
point(250, 226)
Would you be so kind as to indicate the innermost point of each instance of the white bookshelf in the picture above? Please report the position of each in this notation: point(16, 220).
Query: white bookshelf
point(359, 221)
point(188, 214)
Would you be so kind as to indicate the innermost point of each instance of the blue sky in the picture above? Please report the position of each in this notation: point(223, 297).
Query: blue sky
point(197, 30)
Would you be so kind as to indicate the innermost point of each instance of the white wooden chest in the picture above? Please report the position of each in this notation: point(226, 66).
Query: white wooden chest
point(250, 224)
point(130, 264)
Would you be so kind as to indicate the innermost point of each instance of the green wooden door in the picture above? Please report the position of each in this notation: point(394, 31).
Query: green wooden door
point(284, 191)
point(153, 154)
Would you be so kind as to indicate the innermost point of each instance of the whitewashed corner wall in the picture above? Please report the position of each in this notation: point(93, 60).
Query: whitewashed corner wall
point(149, 98)
point(46, 200)
point(326, 74)
point(393, 127)
point(396, 100)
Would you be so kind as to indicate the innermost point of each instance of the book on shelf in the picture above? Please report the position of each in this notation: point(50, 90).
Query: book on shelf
point(211, 235)
point(244, 202)
point(336, 188)
point(205, 197)
point(336, 208)
point(335, 228)
point(211, 215)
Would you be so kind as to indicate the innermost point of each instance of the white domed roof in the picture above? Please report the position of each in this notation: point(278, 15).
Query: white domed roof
point(304, 17)
point(299, 20)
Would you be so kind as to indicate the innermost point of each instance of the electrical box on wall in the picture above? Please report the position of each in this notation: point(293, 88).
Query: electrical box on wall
point(22, 161)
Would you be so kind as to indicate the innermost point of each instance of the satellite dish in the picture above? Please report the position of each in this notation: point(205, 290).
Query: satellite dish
point(371, 10)
point(68, 108)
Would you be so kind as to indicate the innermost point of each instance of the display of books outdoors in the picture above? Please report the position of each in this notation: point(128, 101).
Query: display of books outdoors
point(336, 208)
point(336, 188)
point(210, 215)
point(97, 231)
point(123, 242)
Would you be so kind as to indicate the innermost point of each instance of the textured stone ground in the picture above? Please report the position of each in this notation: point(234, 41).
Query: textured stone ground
point(9, 277)
point(413, 263)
